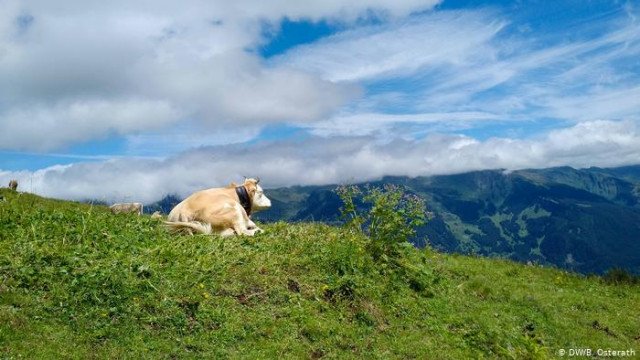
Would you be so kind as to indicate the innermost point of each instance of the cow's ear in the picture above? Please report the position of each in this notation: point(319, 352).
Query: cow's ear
point(251, 188)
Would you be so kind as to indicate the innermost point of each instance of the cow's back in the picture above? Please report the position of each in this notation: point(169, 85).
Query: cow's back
point(198, 205)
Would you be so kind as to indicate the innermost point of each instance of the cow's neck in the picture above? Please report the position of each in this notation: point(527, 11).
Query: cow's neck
point(245, 200)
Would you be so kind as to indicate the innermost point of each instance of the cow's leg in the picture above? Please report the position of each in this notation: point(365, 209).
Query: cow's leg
point(241, 222)
point(241, 229)
point(252, 226)
point(232, 218)
point(227, 232)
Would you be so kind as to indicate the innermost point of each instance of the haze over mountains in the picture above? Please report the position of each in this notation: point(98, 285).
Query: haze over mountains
point(584, 220)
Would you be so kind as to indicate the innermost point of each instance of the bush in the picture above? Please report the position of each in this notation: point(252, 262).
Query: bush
point(619, 276)
point(390, 220)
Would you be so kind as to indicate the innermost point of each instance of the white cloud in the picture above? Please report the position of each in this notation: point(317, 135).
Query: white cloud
point(361, 124)
point(473, 61)
point(45, 128)
point(617, 103)
point(572, 81)
point(243, 9)
point(193, 56)
point(402, 48)
point(166, 142)
point(332, 160)
point(234, 88)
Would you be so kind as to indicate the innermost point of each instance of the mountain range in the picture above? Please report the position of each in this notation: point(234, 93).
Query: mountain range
point(585, 220)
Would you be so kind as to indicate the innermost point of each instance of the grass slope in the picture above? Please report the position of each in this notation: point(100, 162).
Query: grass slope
point(78, 282)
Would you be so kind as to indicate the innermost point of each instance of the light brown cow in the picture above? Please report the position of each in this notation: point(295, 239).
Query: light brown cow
point(134, 208)
point(13, 185)
point(223, 211)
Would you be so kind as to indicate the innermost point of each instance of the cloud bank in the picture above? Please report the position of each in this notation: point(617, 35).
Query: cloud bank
point(331, 160)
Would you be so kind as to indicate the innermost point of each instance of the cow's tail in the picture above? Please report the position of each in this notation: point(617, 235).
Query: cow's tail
point(188, 227)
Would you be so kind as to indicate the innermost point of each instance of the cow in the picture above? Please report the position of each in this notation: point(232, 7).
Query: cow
point(224, 211)
point(133, 208)
point(13, 185)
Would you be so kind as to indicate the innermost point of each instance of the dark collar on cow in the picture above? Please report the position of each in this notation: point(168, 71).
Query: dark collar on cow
point(245, 201)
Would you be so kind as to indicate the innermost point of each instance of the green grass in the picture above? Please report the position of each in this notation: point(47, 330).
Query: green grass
point(78, 282)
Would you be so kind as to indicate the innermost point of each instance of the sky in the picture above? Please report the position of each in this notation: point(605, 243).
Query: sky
point(121, 101)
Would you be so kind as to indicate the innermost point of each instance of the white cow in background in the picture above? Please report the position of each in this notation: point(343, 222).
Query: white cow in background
point(133, 208)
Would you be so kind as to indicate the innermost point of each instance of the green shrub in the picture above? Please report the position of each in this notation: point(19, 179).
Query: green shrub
point(620, 276)
point(390, 220)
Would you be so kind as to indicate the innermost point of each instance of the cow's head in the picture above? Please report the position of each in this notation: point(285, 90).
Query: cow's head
point(258, 199)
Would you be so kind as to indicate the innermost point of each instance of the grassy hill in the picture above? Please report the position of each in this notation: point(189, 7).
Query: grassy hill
point(78, 282)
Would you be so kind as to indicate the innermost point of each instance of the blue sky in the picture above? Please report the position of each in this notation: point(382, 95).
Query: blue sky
point(118, 102)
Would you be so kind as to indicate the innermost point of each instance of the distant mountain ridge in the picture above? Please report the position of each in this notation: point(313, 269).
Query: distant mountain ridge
point(586, 220)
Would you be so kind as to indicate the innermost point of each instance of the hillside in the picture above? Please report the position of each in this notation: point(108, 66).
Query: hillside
point(78, 282)
point(584, 220)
